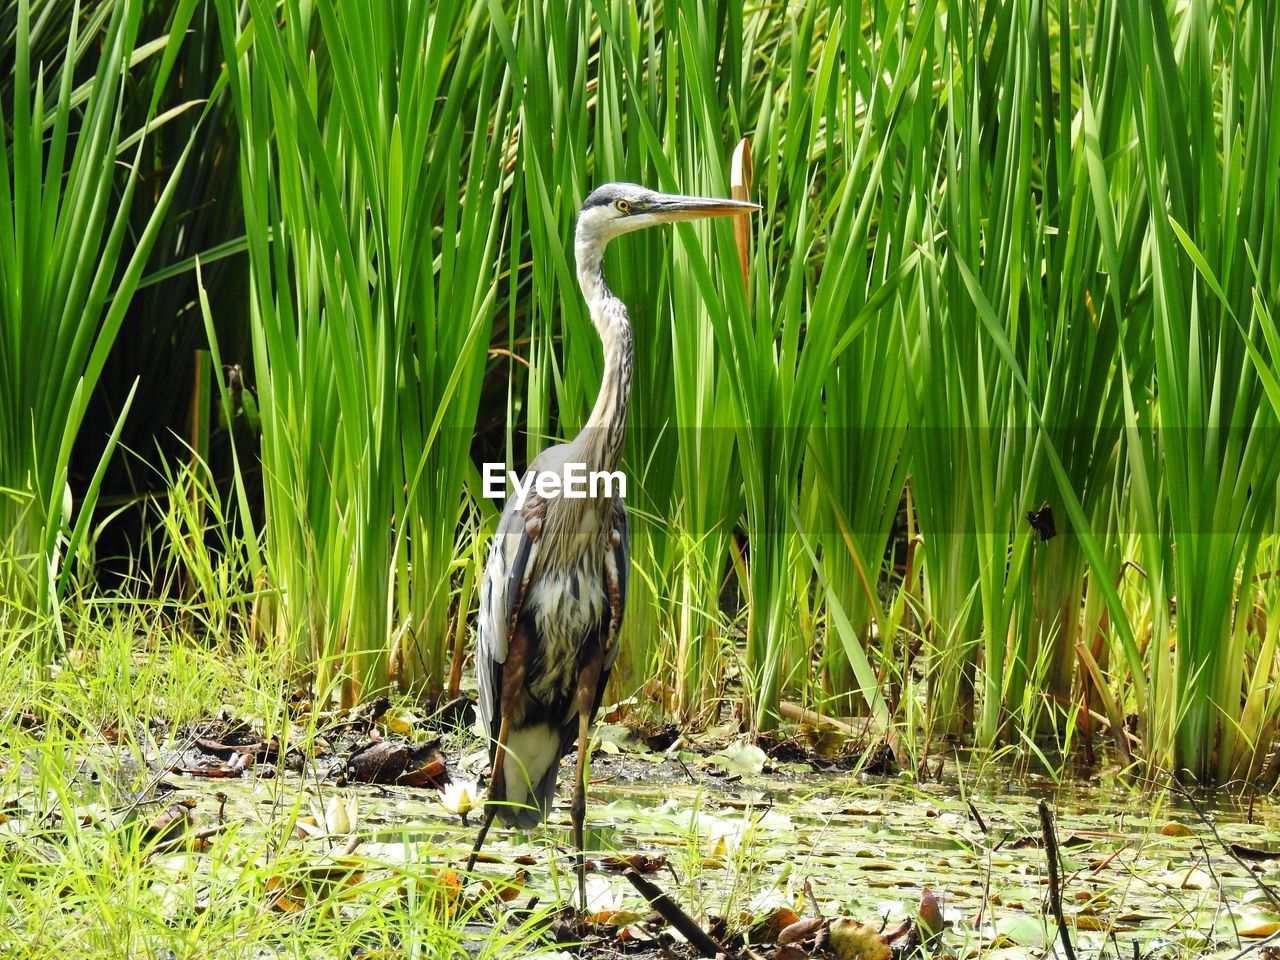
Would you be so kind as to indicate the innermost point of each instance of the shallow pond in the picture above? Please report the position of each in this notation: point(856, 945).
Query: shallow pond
point(1143, 873)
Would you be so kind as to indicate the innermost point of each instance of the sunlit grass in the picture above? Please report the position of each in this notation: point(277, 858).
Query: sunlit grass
point(84, 750)
point(69, 173)
point(1009, 256)
point(373, 298)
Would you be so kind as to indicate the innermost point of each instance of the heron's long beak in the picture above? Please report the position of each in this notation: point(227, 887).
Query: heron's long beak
point(670, 208)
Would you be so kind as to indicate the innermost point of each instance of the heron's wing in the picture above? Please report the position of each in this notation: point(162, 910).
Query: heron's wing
point(506, 579)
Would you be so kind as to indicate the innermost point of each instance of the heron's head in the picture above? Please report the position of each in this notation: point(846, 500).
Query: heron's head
point(618, 208)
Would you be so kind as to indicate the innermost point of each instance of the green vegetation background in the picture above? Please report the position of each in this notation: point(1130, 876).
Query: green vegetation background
point(1011, 255)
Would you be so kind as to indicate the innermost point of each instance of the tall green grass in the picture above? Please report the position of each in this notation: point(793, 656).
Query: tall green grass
point(69, 177)
point(1208, 158)
point(371, 170)
point(1010, 255)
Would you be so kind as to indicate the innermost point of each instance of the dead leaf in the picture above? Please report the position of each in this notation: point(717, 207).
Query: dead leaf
point(403, 764)
point(929, 916)
point(851, 940)
point(446, 893)
point(799, 930)
point(634, 933)
point(509, 889)
point(612, 918)
point(174, 821)
point(768, 928)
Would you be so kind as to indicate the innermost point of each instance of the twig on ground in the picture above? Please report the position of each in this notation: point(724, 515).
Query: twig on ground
point(1254, 946)
point(698, 938)
point(1055, 894)
point(1267, 892)
point(793, 711)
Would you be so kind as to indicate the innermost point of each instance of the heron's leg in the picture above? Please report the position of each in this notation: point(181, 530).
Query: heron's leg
point(495, 782)
point(578, 811)
point(484, 831)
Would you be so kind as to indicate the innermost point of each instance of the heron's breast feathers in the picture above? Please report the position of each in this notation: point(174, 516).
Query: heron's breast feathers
point(568, 606)
point(551, 605)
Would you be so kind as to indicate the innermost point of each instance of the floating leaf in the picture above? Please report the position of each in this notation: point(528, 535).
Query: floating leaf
point(1023, 931)
point(740, 757)
point(1089, 921)
point(1267, 929)
point(397, 720)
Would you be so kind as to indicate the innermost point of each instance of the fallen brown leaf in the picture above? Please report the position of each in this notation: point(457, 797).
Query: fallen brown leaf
point(639, 862)
point(173, 821)
point(403, 764)
point(768, 928)
point(799, 930)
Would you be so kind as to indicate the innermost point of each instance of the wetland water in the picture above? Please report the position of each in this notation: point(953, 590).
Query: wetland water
point(1139, 868)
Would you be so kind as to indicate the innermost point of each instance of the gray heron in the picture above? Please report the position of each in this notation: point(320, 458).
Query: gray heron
point(555, 584)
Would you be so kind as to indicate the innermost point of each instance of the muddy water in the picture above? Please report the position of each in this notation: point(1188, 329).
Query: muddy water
point(1140, 866)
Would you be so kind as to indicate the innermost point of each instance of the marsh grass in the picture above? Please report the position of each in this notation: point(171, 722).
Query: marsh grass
point(79, 874)
point(68, 178)
point(1010, 255)
point(88, 737)
point(370, 332)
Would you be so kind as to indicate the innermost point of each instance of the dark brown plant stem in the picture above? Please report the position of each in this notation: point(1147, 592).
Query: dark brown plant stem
point(1255, 946)
point(982, 824)
point(698, 938)
point(1055, 892)
point(1262, 885)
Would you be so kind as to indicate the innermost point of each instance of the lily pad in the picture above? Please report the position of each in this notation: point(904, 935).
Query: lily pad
point(740, 757)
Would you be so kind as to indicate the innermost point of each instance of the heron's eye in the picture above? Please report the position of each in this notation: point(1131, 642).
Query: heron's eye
point(622, 206)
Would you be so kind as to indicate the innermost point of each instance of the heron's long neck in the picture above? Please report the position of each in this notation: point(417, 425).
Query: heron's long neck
point(601, 439)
